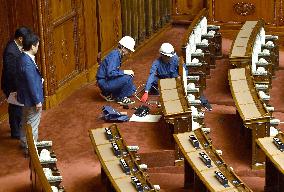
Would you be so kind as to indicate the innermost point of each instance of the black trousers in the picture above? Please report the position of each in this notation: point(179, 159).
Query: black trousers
point(15, 118)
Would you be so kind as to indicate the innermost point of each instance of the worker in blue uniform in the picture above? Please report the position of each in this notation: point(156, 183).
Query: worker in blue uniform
point(116, 84)
point(166, 66)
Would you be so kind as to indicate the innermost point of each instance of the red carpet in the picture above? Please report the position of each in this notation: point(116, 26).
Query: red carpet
point(67, 126)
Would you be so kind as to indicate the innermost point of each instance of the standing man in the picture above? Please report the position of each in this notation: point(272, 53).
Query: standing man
point(8, 81)
point(116, 84)
point(30, 89)
point(166, 66)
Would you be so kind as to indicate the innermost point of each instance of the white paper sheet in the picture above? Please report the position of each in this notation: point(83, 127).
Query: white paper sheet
point(147, 118)
point(12, 99)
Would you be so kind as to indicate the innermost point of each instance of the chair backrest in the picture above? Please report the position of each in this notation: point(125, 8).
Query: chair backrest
point(41, 182)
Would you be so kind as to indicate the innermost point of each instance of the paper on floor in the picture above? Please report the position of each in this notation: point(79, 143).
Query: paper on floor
point(147, 118)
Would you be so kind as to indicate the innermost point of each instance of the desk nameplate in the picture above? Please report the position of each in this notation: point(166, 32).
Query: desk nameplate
point(194, 157)
point(208, 177)
point(185, 144)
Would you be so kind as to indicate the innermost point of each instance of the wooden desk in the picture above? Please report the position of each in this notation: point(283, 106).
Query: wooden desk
point(37, 175)
point(175, 107)
point(176, 110)
point(241, 50)
point(112, 173)
point(197, 174)
point(214, 49)
point(251, 109)
point(274, 167)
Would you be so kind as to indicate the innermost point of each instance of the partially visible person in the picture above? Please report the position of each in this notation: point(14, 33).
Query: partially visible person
point(115, 84)
point(30, 89)
point(166, 66)
point(11, 53)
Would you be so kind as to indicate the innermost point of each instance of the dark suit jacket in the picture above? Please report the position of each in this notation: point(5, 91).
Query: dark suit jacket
point(30, 89)
point(9, 77)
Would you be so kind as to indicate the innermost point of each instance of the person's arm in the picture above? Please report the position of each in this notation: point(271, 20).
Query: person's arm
point(10, 61)
point(175, 65)
point(152, 76)
point(112, 66)
point(30, 74)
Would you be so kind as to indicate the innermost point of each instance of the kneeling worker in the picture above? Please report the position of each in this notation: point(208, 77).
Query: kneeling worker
point(116, 84)
point(166, 66)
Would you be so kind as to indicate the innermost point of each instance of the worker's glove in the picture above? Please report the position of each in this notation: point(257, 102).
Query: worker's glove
point(144, 98)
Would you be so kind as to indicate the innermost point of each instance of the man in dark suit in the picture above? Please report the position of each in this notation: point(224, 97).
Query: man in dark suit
point(8, 81)
point(29, 89)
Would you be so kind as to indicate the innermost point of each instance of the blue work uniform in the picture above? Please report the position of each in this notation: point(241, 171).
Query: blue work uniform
point(112, 80)
point(161, 70)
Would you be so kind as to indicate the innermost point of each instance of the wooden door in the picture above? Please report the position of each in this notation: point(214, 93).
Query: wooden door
point(63, 46)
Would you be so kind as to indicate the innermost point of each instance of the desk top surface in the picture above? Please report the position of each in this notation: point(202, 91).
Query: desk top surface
point(272, 152)
point(110, 163)
point(169, 83)
point(242, 40)
point(193, 157)
point(243, 95)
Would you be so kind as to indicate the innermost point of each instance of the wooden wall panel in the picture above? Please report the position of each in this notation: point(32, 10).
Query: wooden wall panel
point(186, 9)
point(63, 51)
point(22, 13)
point(141, 20)
point(148, 14)
point(110, 30)
point(69, 29)
point(59, 8)
point(4, 38)
point(62, 42)
point(134, 19)
point(235, 11)
point(90, 35)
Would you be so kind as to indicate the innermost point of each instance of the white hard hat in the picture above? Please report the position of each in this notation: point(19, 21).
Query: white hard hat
point(167, 49)
point(127, 42)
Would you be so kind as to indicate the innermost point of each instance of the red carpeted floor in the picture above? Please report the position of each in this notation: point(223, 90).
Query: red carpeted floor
point(67, 126)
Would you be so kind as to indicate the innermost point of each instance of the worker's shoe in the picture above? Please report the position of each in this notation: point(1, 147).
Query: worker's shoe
point(107, 97)
point(125, 101)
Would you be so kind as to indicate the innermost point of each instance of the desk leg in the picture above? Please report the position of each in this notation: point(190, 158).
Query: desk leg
point(281, 181)
point(188, 175)
point(109, 186)
point(272, 177)
point(258, 156)
point(103, 176)
point(181, 125)
point(198, 184)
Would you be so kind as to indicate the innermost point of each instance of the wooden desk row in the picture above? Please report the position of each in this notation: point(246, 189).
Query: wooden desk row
point(251, 109)
point(247, 50)
point(44, 175)
point(205, 170)
point(176, 106)
point(210, 51)
point(273, 148)
point(120, 170)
